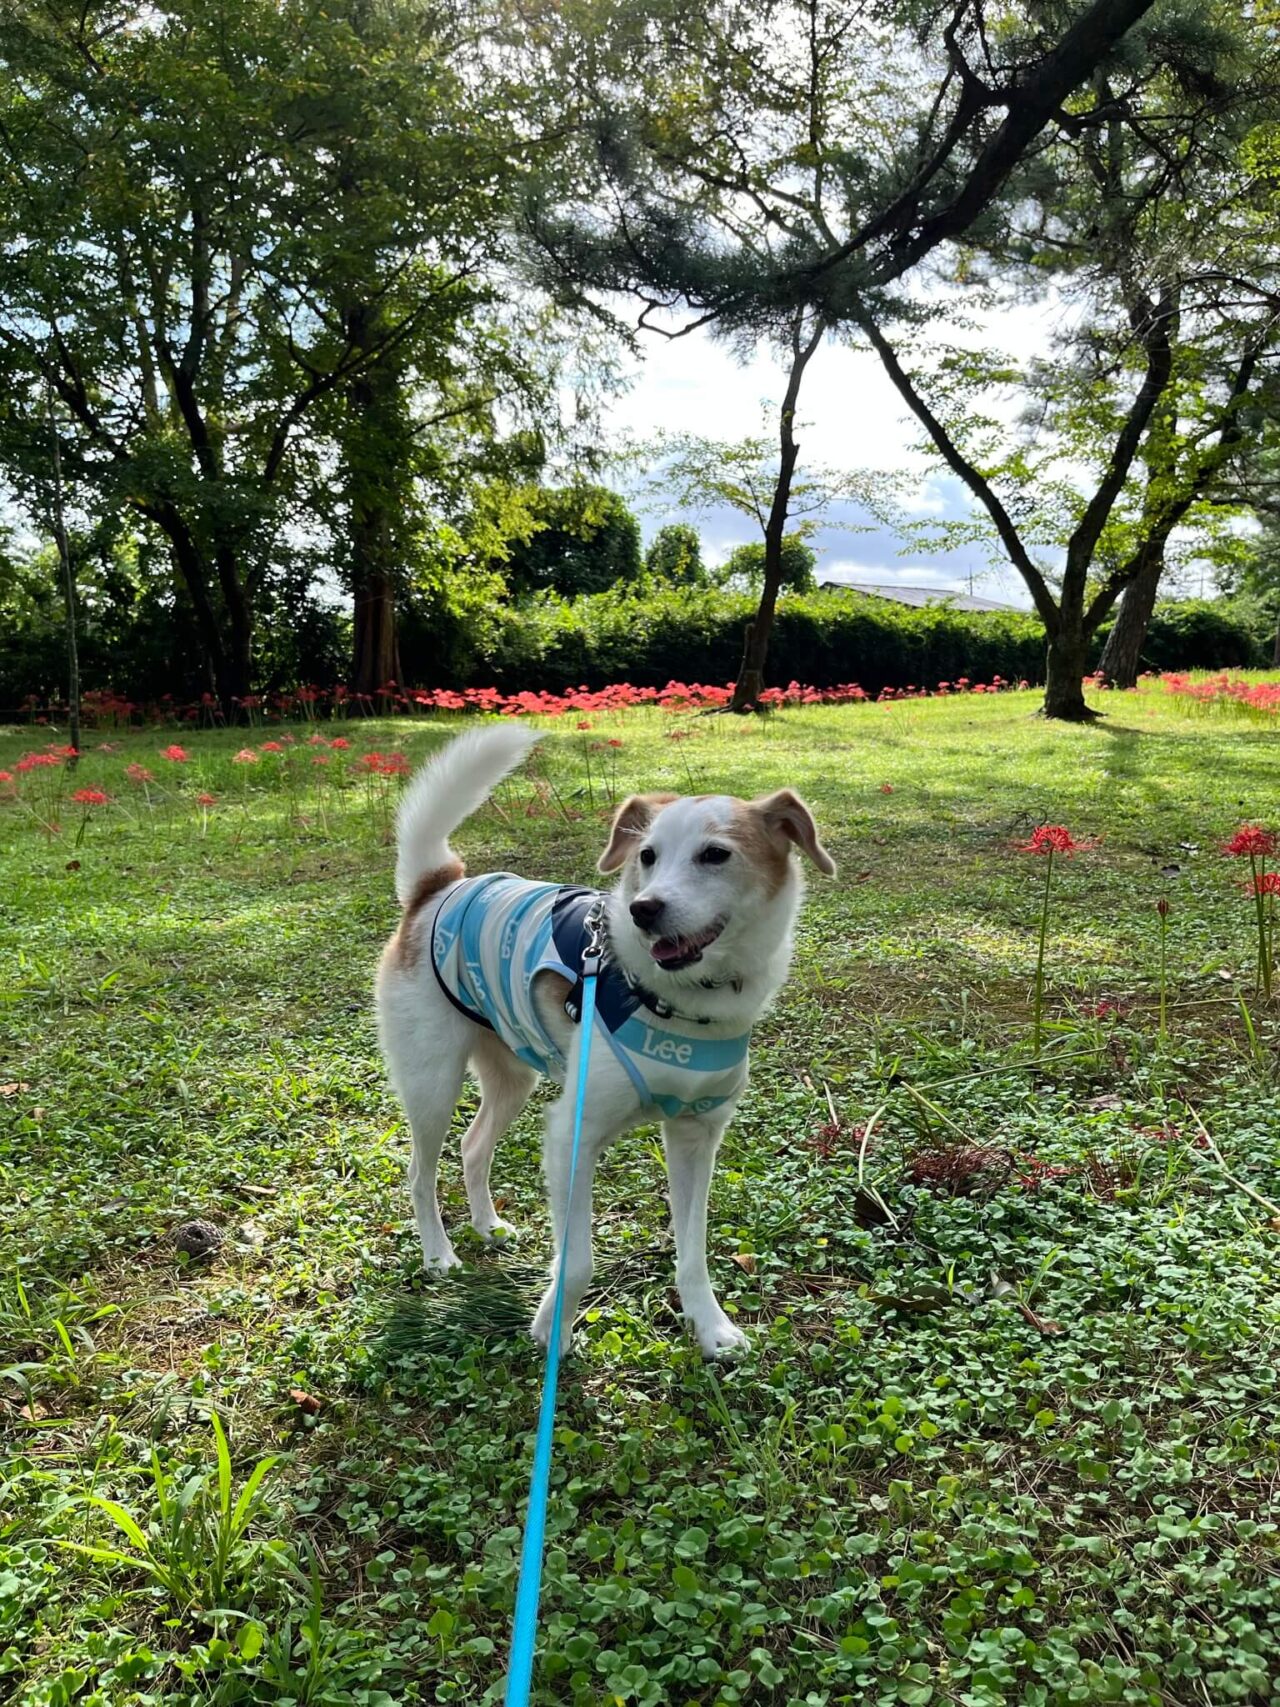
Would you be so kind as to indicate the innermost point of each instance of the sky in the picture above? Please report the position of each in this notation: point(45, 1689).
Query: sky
point(850, 418)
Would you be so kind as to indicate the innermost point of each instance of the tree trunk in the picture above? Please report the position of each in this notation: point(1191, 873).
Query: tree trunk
point(755, 647)
point(1275, 650)
point(69, 591)
point(1122, 655)
point(230, 667)
point(1064, 689)
point(376, 452)
point(376, 650)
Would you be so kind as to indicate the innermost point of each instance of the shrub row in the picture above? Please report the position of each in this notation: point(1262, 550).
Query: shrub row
point(695, 634)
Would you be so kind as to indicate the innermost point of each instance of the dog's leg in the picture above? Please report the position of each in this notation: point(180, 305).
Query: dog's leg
point(691, 1147)
point(429, 1099)
point(505, 1086)
point(572, 1231)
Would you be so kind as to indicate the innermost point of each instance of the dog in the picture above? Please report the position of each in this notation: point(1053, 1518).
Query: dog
point(486, 972)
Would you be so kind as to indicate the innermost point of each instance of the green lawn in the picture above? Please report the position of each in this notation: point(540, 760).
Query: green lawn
point(1005, 1434)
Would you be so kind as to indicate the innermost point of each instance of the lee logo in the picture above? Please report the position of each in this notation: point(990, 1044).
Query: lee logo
point(666, 1049)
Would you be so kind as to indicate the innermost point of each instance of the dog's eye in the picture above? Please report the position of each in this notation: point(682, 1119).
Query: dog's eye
point(647, 856)
point(713, 856)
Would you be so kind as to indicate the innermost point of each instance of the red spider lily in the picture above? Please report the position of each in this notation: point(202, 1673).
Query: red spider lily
point(584, 726)
point(1251, 841)
point(138, 773)
point(176, 755)
point(35, 761)
point(340, 744)
point(886, 788)
point(6, 776)
point(386, 764)
point(1046, 839)
point(1052, 839)
point(614, 742)
point(246, 756)
point(271, 747)
point(1254, 843)
point(1162, 907)
point(320, 758)
point(91, 797)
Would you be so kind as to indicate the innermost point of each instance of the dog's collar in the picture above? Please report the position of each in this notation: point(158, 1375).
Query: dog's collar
point(664, 1010)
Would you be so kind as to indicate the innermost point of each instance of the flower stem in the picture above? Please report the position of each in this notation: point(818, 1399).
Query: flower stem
point(1260, 905)
point(1038, 1027)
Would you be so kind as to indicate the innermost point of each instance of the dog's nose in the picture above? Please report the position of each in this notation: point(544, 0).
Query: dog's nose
point(646, 913)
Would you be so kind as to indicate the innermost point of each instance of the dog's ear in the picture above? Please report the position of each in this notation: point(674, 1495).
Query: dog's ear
point(630, 822)
point(787, 817)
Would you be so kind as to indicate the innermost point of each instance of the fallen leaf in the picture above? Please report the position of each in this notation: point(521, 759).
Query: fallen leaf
point(862, 877)
point(1099, 1104)
point(306, 1402)
point(1041, 1324)
point(247, 1190)
point(32, 1413)
point(73, 865)
point(745, 1261)
point(387, 1227)
point(13, 1089)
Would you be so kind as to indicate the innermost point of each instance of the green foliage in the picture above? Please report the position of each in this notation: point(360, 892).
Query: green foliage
point(744, 566)
point(911, 1491)
point(675, 555)
point(580, 539)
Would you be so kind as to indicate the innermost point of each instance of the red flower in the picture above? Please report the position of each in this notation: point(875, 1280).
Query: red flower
point(33, 761)
point(1251, 840)
point(1267, 884)
point(340, 744)
point(886, 788)
point(271, 747)
point(584, 726)
point(1162, 907)
point(206, 800)
point(6, 776)
point(614, 742)
point(90, 797)
point(138, 773)
point(1051, 839)
point(246, 756)
point(176, 755)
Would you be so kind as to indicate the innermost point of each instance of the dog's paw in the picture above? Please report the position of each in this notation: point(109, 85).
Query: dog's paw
point(719, 1338)
point(440, 1262)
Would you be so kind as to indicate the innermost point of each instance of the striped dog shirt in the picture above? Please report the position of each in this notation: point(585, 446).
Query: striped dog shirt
point(492, 935)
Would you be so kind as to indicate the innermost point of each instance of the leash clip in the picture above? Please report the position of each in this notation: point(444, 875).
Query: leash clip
point(594, 923)
point(592, 955)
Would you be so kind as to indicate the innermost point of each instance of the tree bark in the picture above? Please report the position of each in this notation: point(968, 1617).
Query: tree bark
point(373, 455)
point(755, 647)
point(1122, 655)
point(376, 651)
point(230, 665)
point(1064, 676)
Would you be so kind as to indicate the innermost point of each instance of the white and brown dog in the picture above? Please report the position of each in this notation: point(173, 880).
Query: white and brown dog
point(486, 971)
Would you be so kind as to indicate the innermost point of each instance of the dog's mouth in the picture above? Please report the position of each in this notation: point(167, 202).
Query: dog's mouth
point(673, 953)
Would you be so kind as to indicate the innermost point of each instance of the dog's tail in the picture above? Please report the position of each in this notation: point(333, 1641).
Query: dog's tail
point(444, 794)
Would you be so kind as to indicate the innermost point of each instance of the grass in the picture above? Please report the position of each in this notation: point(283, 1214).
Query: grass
point(1009, 1430)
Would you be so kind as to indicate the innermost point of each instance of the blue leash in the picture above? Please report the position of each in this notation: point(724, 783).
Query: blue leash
point(524, 1629)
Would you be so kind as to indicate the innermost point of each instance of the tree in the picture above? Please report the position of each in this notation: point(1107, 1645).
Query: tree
point(1149, 402)
point(767, 165)
point(579, 539)
point(218, 221)
point(676, 555)
point(745, 565)
point(765, 486)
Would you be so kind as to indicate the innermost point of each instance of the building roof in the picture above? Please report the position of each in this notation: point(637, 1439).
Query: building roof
point(904, 595)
